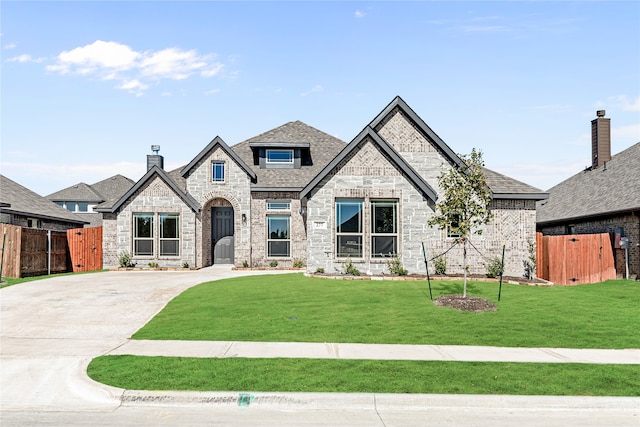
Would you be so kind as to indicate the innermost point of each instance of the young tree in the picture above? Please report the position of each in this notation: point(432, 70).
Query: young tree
point(465, 205)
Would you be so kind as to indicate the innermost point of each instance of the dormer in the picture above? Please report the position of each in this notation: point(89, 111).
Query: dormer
point(281, 155)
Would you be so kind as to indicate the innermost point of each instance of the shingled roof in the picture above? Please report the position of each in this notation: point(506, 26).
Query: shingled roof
point(23, 201)
point(503, 187)
point(110, 188)
point(610, 189)
point(323, 148)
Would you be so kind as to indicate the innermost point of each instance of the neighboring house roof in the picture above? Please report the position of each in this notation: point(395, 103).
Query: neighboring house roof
point(152, 173)
point(323, 148)
point(612, 188)
point(397, 159)
point(503, 187)
point(217, 141)
point(25, 202)
point(101, 191)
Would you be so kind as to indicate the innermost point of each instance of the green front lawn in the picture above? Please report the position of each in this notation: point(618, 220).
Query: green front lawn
point(365, 376)
point(292, 307)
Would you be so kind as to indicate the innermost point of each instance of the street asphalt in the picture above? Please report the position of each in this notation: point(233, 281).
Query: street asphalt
point(51, 329)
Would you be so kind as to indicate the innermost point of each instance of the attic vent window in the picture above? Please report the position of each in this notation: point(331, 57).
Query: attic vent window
point(280, 157)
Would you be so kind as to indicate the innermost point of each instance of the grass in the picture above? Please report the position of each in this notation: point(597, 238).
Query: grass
point(10, 281)
point(365, 376)
point(295, 308)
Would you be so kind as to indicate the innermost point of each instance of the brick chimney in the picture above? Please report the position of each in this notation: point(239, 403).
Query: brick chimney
point(156, 159)
point(600, 140)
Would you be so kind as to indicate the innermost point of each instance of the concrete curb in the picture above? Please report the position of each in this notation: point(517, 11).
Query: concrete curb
point(377, 402)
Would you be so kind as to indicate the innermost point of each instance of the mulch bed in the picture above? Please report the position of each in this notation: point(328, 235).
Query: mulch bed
point(474, 304)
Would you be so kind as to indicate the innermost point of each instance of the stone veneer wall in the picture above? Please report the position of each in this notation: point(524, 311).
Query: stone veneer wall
point(46, 224)
point(366, 174)
point(154, 197)
point(298, 232)
point(235, 190)
point(630, 223)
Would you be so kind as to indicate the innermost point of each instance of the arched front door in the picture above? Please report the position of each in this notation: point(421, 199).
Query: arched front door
point(222, 241)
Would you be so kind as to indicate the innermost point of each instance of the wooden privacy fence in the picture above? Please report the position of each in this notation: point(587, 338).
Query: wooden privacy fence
point(575, 259)
point(85, 248)
point(27, 252)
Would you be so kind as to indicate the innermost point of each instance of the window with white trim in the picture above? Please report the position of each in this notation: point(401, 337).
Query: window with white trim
point(143, 234)
point(349, 228)
point(280, 157)
point(278, 236)
point(278, 206)
point(217, 171)
point(384, 228)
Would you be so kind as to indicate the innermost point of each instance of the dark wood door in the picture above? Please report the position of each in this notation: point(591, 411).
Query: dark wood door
point(222, 235)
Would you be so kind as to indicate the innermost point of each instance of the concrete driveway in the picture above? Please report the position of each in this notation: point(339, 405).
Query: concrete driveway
point(51, 329)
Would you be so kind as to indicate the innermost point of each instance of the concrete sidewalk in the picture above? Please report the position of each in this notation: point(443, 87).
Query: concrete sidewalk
point(226, 349)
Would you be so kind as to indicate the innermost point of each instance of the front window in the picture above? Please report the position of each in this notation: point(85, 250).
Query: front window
point(71, 206)
point(349, 228)
point(453, 230)
point(217, 171)
point(169, 235)
point(278, 236)
point(384, 228)
point(280, 157)
point(143, 234)
point(83, 207)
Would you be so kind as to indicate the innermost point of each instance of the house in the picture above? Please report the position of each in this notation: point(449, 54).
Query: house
point(82, 198)
point(21, 206)
point(603, 198)
point(296, 194)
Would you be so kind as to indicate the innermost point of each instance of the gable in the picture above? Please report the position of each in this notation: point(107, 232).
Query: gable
point(216, 143)
point(402, 134)
point(366, 160)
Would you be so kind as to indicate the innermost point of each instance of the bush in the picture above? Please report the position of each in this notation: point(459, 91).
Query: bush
point(319, 270)
point(441, 265)
point(530, 262)
point(153, 264)
point(395, 267)
point(495, 267)
point(351, 269)
point(298, 263)
point(185, 264)
point(273, 263)
point(125, 259)
point(245, 263)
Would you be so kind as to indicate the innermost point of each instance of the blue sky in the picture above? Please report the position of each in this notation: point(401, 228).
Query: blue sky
point(87, 87)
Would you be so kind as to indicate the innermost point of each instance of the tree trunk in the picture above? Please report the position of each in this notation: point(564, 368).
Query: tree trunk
point(464, 265)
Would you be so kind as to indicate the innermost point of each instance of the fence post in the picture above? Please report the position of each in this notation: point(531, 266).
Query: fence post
point(504, 244)
point(49, 252)
point(4, 238)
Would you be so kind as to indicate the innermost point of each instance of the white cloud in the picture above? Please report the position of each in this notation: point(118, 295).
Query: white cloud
point(630, 132)
point(315, 89)
point(628, 104)
point(212, 92)
point(10, 46)
point(115, 61)
point(24, 58)
point(360, 14)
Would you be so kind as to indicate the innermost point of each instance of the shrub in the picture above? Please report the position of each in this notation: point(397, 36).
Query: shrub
point(298, 263)
point(441, 265)
point(245, 263)
point(530, 262)
point(124, 259)
point(319, 270)
point(351, 269)
point(395, 267)
point(495, 267)
point(153, 264)
point(185, 264)
point(273, 263)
